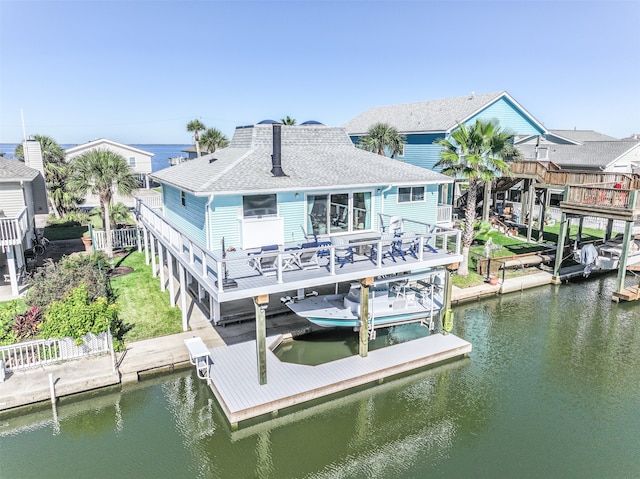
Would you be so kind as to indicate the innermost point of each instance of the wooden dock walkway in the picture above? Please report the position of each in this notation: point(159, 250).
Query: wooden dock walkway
point(234, 374)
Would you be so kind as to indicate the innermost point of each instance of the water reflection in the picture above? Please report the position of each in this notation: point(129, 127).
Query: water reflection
point(554, 376)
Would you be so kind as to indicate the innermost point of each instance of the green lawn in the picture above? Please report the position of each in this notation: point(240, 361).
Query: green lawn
point(143, 307)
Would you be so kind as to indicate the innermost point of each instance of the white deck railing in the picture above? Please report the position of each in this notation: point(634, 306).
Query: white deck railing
point(211, 265)
point(37, 353)
point(13, 230)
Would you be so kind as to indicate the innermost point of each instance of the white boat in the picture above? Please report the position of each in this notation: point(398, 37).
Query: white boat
point(392, 300)
point(606, 257)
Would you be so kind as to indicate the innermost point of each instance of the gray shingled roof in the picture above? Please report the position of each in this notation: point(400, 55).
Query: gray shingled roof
point(313, 157)
point(592, 154)
point(583, 135)
point(426, 116)
point(14, 170)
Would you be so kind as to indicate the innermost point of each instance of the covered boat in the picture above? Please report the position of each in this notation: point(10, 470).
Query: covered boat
point(392, 300)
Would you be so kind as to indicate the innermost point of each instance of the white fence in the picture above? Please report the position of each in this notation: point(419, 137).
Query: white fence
point(33, 354)
point(122, 238)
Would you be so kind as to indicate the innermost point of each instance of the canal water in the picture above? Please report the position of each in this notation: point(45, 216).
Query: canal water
point(551, 390)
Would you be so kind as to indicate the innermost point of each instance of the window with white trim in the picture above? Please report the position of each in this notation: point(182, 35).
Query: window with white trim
point(410, 194)
point(183, 198)
point(256, 206)
point(132, 161)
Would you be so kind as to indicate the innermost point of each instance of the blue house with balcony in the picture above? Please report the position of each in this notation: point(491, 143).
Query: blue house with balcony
point(424, 122)
point(277, 187)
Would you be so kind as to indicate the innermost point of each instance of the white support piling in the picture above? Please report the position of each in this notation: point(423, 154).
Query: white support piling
point(52, 389)
point(161, 261)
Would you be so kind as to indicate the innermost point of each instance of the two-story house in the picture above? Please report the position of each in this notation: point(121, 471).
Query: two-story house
point(139, 161)
point(424, 122)
point(23, 198)
point(281, 186)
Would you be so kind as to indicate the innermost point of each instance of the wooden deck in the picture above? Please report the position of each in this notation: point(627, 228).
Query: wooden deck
point(234, 373)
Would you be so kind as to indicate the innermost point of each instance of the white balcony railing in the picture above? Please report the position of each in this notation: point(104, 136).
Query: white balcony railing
point(209, 266)
point(13, 230)
point(444, 213)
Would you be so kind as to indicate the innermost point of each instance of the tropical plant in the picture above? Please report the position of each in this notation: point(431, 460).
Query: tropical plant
point(101, 171)
point(195, 127)
point(118, 213)
point(26, 325)
point(288, 121)
point(57, 171)
point(381, 138)
point(213, 139)
point(477, 154)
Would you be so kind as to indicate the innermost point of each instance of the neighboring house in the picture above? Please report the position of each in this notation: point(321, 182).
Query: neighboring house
point(424, 122)
point(138, 160)
point(329, 187)
point(611, 156)
point(565, 137)
point(22, 200)
point(191, 154)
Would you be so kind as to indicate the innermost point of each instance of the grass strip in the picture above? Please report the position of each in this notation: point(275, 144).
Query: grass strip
point(143, 307)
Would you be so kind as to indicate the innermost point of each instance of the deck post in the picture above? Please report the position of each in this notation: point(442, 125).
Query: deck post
point(622, 264)
point(146, 246)
point(261, 302)
point(13, 271)
point(564, 226)
point(161, 261)
point(580, 225)
point(609, 231)
point(154, 273)
point(364, 316)
point(214, 310)
point(485, 201)
point(172, 286)
point(183, 297)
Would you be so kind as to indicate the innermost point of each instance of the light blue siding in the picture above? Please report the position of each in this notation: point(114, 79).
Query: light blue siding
point(293, 211)
point(191, 217)
point(424, 211)
point(509, 116)
point(419, 150)
point(225, 213)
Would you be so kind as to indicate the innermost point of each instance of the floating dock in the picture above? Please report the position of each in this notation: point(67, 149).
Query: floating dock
point(233, 374)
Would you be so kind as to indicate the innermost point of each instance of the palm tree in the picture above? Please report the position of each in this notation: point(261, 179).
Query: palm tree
point(195, 127)
point(383, 137)
point(288, 121)
point(100, 171)
point(478, 154)
point(56, 172)
point(212, 139)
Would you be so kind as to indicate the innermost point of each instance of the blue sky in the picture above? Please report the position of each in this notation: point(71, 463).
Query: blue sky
point(138, 71)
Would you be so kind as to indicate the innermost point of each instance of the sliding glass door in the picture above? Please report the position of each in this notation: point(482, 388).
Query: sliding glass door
point(339, 212)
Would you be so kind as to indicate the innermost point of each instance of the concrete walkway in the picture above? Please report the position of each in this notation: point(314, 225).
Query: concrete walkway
point(169, 352)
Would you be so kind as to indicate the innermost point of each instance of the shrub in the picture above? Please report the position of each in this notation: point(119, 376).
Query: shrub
point(26, 325)
point(54, 281)
point(78, 314)
point(8, 312)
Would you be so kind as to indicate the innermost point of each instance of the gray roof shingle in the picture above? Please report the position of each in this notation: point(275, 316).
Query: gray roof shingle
point(14, 170)
point(426, 116)
point(313, 157)
point(592, 154)
point(583, 135)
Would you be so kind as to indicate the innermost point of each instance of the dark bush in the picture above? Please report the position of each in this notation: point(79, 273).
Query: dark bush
point(54, 281)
